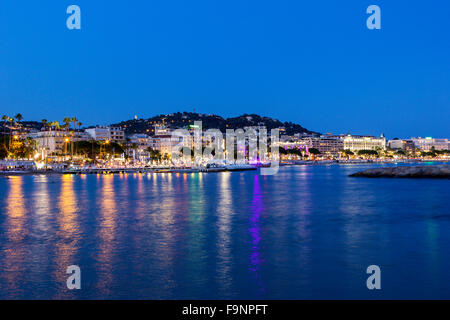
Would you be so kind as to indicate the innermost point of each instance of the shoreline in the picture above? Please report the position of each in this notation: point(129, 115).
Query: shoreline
point(103, 171)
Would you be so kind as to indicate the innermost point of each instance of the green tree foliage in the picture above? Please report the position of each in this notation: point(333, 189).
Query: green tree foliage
point(93, 149)
point(367, 153)
point(155, 155)
point(3, 151)
point(348, 152)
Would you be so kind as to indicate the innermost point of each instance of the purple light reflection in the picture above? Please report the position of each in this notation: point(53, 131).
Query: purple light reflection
point(256, 259)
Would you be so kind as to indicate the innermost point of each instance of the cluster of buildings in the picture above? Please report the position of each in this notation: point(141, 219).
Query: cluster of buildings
point(53, 142)
point(138, 146)
point(333, 145)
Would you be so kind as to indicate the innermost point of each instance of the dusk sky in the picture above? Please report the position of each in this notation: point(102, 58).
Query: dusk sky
point(311, 62)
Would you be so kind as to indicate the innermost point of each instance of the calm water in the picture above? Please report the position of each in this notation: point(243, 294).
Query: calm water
point(307, 232)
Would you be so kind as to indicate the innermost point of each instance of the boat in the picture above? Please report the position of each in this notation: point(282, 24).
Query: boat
point(186, 170)
point(214, 167)
point(239, 167)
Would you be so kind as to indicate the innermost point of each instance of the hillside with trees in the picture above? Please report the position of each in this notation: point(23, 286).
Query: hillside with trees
point(209, 121)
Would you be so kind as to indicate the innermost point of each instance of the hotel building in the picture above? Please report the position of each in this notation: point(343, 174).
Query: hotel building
point(356, 143)
point(53, 141)
point(428, 144)
point(327, 145)
point(401, 144)
point(106, 133)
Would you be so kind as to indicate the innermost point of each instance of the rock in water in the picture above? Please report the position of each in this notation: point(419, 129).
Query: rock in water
point(437, 171)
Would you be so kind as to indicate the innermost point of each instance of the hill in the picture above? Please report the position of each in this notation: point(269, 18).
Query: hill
point(184, 119)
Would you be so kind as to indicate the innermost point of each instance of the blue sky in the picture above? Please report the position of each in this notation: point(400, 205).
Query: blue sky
point(312, 62)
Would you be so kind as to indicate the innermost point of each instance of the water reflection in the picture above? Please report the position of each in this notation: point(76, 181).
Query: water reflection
point(256, 259)
point(68, 235)
point(196, 242)
point(225, 215)
point(107, 229)
point(41, 225)
point(14, 252)
point(15, 209)
point(300, 234)
point(163, 251)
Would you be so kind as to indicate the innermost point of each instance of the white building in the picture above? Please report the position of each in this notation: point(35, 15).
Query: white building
point(116, 134)
point(54, 141)
point(327, 145)
point(141, 143)
point(356, 143)
point(161, 130)
point(427, 144)
point(106, 134)
point(401, 144)
point(99, 133)
point(165, 143)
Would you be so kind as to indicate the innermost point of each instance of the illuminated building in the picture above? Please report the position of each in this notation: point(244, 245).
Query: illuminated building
point(357, 143)
point(429, 143)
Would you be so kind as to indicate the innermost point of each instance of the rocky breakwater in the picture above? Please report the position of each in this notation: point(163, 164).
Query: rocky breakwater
point(430, 171)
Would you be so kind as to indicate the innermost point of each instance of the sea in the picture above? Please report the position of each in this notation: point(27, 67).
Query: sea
point(308, 232)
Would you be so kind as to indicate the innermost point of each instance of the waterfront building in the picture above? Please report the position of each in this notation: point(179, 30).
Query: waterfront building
point(114, 134)
point(99, 133)
point(429, 143)
point(357, 143)
point(141, 142)
point(403, 144)
point(17, 165)
point(53, 141)
point(327, 145)
point(165, 143)
point(140, 139)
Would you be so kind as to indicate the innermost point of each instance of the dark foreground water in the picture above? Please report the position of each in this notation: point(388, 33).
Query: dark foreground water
point(307, 232)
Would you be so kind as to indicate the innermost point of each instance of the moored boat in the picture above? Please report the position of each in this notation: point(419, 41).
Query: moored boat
point(240, 167)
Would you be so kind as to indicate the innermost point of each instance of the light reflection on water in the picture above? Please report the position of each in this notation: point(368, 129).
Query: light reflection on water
point(308, 232)
point(106, 234)
point(68, 234)
point(224, 232)
point(256, 260)
point(14, 252)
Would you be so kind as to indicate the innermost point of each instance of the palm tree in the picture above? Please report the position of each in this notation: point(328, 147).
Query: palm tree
point(11, 120)
point(79, 124)
point(67, 122)
point(44, 122)
point(18, 117)
point(56, 125)
point(5, 118)
point(74, 121)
